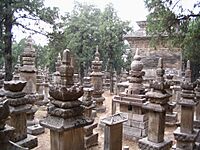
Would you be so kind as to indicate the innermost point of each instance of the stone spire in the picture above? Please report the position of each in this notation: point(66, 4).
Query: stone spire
point(97, 81)
point(66, 70)
point(185, 135)
point(56, 75)
point(132, 100)
point(158, 98)
point(136, 73)
point(65, 115)
point(58, 62)
point(28, 57)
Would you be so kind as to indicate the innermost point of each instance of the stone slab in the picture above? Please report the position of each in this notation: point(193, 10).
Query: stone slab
point(35, 129)
point(91, 140)
point(89, 129)
point(144, 144)
point(171, 119)
point(133, 133)
point(100, 109)
point(136, 124)
point(29, 142)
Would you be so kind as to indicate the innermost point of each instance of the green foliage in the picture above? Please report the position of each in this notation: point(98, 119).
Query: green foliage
point(179, 26)
point(84, 29)
point(21, 13)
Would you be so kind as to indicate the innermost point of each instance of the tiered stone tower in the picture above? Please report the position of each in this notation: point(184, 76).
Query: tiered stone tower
point(97, 81)
point(28, 69)
point(19, 105)
point(132, 100)
point(158, 99)
point(65, 115)
point(91, 139)
point(186, 135)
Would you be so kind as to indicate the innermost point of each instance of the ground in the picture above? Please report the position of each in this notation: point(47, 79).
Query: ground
point(44, 139)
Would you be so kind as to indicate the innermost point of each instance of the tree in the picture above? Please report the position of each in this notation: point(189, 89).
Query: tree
point(85, 28)
point(112, 30)
point(20, 13)
point(168, 17)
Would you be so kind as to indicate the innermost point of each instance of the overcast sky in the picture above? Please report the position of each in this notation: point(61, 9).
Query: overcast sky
point(131, 10)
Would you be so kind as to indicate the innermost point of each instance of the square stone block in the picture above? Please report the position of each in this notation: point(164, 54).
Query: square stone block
point(35, 129)
point(144, 144)
point(91, 141)
point(29, 142)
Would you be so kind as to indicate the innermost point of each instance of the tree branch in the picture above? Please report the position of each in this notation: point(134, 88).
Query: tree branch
point(27, 28)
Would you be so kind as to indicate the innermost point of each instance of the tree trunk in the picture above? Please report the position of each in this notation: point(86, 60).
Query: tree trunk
point(8, 42)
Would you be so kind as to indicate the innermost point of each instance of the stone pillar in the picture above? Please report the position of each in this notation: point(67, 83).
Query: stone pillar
point(28, 73)
point(97, 82)
point(113, 131)
point(185, 135)
point(28, 69)
point(56, 75)
point(158, 99)
point(46, 86)
point(91, 139)
point(40, 87)
point(131, 102)
point(18, 104)
point(171, 116)
point(65, 115)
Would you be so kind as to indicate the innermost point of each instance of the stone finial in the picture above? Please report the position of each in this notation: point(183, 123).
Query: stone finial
point(66, 57)
point(188, 72)
point(66, 70)
point(97, 55)
point(29, 42)
point(136, 64)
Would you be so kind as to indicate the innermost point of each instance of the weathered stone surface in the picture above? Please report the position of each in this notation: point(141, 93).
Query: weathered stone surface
point(158, 98)
point(72, 139)
point(65, 114)
point(145, 144)
point(35, 129)
point(185, 135)
point(132, 99)
point(113, 131)
point(97, 82)
point(91, 140)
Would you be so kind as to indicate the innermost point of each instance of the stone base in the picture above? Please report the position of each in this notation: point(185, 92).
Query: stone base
point(91, 141)
point(29, 142)
point(35, 129)
point(133, 133)
point(144, 144)
point(136, 127)
point(171, 119)
point(196, 124)
point(185, 141)
point(72, 139)
point(100, 109)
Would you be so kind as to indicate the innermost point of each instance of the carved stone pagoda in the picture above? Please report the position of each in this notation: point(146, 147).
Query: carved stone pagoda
point(186, 135)
point(91, 139)
point(19, 105)
point(65, 115)
point(97, 81)
point(132, 100)
point(157, 100)
point(28, 73)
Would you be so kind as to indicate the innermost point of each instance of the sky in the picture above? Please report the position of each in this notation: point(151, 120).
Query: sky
point(127, 10)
